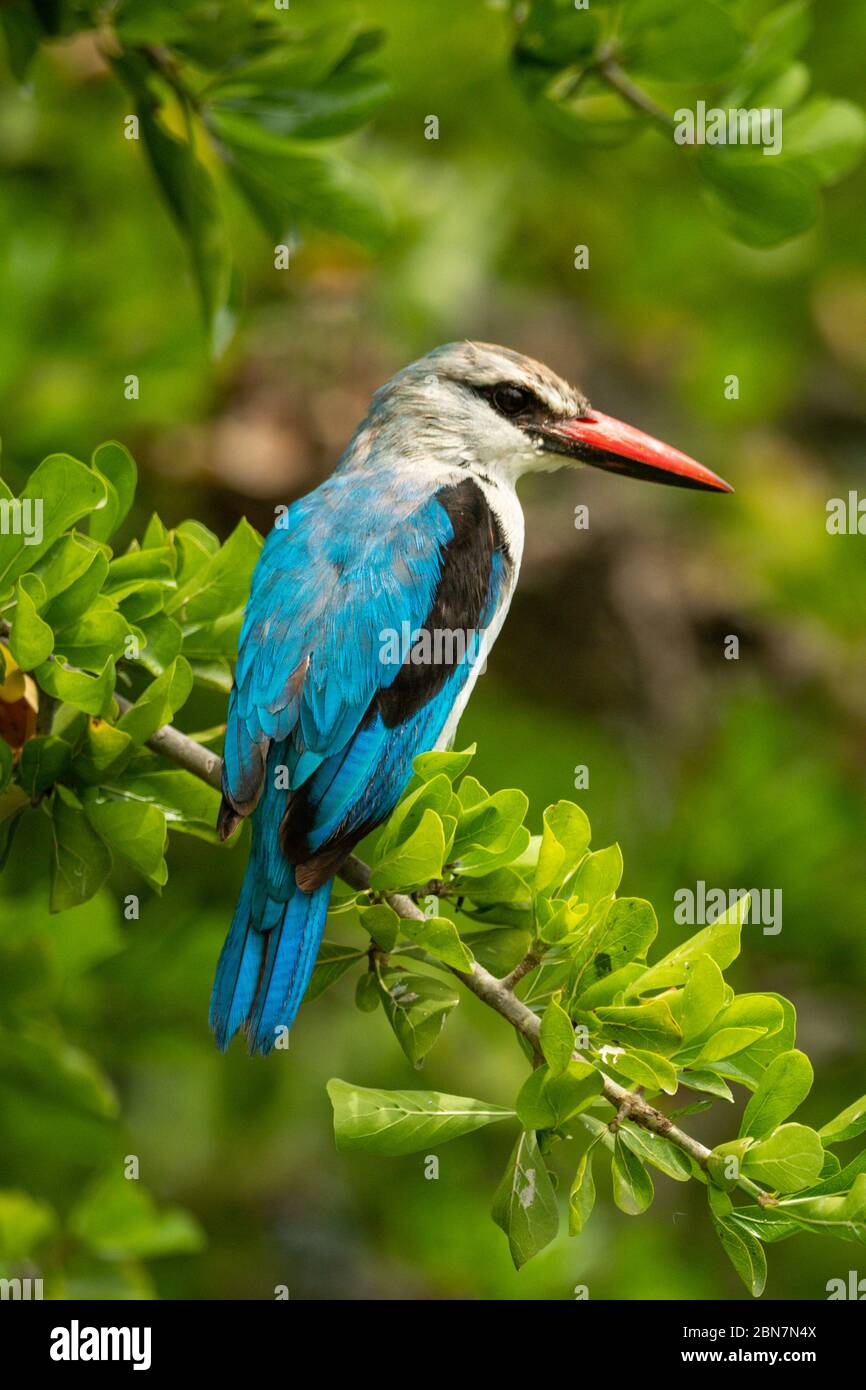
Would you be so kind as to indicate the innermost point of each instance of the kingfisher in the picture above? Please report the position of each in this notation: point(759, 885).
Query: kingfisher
point(418, 529)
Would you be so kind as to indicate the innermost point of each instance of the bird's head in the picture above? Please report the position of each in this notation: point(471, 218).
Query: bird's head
point(478, 405)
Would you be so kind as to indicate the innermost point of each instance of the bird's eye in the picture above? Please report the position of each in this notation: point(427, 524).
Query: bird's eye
point(511, 400)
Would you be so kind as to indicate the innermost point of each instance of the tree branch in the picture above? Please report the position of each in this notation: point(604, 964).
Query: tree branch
point(496, 994)
point(636, 97)
point(181, 749)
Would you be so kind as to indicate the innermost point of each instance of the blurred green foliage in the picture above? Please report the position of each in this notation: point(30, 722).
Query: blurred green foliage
point(738, 773)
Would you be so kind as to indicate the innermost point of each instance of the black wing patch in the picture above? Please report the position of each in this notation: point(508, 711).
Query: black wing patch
point(461, 599)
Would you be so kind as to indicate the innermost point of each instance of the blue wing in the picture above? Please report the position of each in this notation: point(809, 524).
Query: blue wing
point(327, 713)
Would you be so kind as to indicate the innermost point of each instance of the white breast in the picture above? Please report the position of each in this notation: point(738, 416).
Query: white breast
point(502, 499)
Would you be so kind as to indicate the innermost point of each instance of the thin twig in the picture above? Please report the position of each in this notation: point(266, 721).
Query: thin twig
point(619, 80)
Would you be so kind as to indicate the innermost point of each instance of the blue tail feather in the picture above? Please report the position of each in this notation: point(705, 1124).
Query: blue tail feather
point(266, 962)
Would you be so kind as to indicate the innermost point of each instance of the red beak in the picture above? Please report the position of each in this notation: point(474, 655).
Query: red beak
point(607, 443)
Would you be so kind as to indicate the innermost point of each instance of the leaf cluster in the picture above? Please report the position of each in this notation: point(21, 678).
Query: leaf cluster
point(86, 619)
point(603, 74)
point(236, 93)
point(673, 1028)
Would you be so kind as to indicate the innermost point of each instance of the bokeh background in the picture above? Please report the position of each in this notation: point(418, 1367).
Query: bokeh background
point(746, 773)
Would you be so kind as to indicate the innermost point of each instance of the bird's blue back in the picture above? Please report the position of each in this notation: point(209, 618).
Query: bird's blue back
point(323, 722)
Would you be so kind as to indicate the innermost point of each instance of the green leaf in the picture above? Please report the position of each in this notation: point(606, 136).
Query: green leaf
point(117, 1218)
point(768, 1224)
point(744, 1027)
point(43, 760)
point(825, 137)
point(134, 830)
point(762, 201)
point(187, 803)
point(791, 1158)
point(707, 1081)
point(417, 1007)
point(116, 466)
point(383, 924)
point(599, 876)
point(440, 938)
point(415, 862)
point(94, 638)
point(331, 965)
point(368, 994)
point(726, 1042)
point(223, 583)
point(394, 1123)
point(73, 600)
point(548, 1100)
point(695, 43)
point(632, 1185)
point(648, 1069)
point(128, 572)
point(779, 35)
point(560, 926)
point(779, 1018)
point(650, 1026)
point(144, 602)
point(745, 1253)
point(55, 1071)
point(162, 643)
point(502, 887)
point(102, 753)
point(278, 102)
point(191, 197)
point(720, 941)
point(482, 862)
point(31, 640)
point(842, 1216)
point(433, 795)
point(556, 1036)
point(449, 762)
point(564, 841)
point(285, 183)
point(524, 1206)
point(215, 638)
point(159, 702)
point(65, 562)
point(581, 1198)
point(490, 823)
point(657, 1150)
point(783, 1087)
point(703, 996)
point(213, 675)
point(80, 860)
point(626, 931)
point(65, 490)
point(89, 693)
point(609, 988)
point(499, 949)
point(847, 1125)
point(471, 793)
